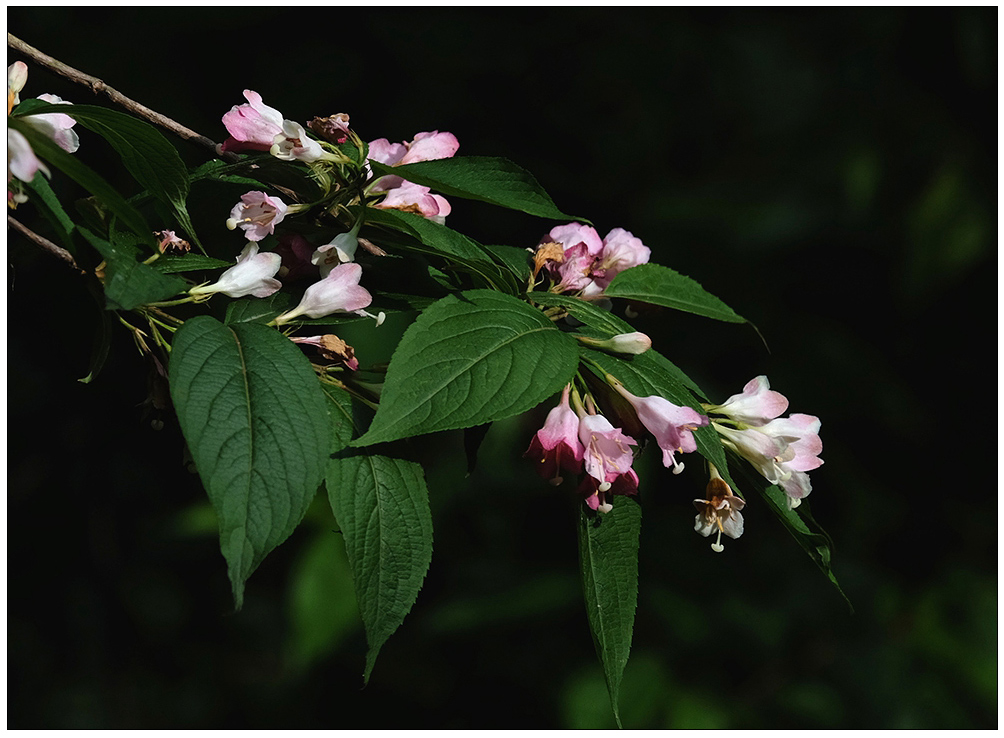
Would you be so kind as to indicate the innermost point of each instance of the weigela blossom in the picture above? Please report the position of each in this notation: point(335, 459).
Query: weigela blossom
point(720, 512)
point(339, 292)
point(757, 404)
point(334, 128)
point(413, 198)
point(293, 144)
point(253, 275)
point(607, 452)
point(556, 446)
point(781, 449)
point(623, 343)
point(170, 243)
point(333, 348)
point(257, 214)
point(253, 126)
point(21, 160)
point(671, 425)
point(17, 76)
point(623, 484)
point(426, 146)
point(591, 263)
point(56, 126)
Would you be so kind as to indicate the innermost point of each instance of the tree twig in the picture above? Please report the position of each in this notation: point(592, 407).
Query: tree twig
point(45, 243)
point(97, 86)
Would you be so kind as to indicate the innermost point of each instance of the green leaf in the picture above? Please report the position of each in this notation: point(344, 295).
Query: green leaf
point(343, 423)
point(490, 179)
point(382, 508)
point(129, 283)
point(102, 338)
point(515, 259)
point(608, 557)
point(438, 240)
point(52, 210)
point(188, 263)
point(256, 423)
point(470, 359)
point(257, 309)
point(145, 152)
point(86, 177)
point(659, 285)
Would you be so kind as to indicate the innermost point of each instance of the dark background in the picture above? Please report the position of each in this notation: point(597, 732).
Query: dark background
point(831, 174)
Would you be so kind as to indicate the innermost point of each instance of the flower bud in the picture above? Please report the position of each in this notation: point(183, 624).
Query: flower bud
point(623, 343)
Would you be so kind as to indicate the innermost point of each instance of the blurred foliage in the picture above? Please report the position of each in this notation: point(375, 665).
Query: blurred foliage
point(827, 172)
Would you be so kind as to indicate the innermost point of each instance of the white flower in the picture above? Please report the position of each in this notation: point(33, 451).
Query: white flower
point(719, 512)
point(253, 275)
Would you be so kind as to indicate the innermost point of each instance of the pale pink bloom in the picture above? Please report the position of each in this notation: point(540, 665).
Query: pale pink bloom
point(425, 146)
point(607, 450)
point(782, 451)
point(258, 214)
point(21, 160)
point(556, 446)
point(720, 512)
point(430, 145)
point(293, 144)
point(169, 241)
point(413, 198)
point(253, 275)
point(17, 75)
point(671, 425)
point(621, 251)
point(573, 273)
point(623, 484)
point(339, 292)
point(56, 126)
point(342, 249)
point(571, 235)
point(252, 126)
point(755, 405)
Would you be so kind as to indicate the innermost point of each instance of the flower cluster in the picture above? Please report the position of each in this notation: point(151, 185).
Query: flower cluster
point(580, 440)
point(585, 263)
point(780, 449)
point(401, 194)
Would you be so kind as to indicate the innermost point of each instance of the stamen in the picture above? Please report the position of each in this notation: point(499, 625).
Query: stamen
point(231, 223)
point(717, 546)
point(677, 466)
point(604, 486)
point(605, 508)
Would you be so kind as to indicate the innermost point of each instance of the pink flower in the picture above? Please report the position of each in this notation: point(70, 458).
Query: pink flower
point(293, 144)
point(782, 450)
point(671, 425)
point(425, 146)
point(571, 235)
point(607, 453)
point(21, 160)
point(56, 126)
point(413, 198)
point(623, 484)
point(573, 273)
point(556, 446)
point(430, 145)
point(621, 251)
point(719, 512)
point(253, 126)
point(17, 76)
point(258, 214)
point(253, 275)
point(755, 405)
point(339, 292)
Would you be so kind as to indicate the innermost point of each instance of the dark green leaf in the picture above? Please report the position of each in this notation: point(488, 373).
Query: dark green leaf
point(129, 283)
point(517, 260)
point(188, 263)
point(83, 175)
point(471, 359)
point(608, 556)
point(490, 179)
point(382, 508)
point(438, 240)
point(257, 309)
point(257, 425)
point(343, 423)
point(52, 210)
point(659, 285)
